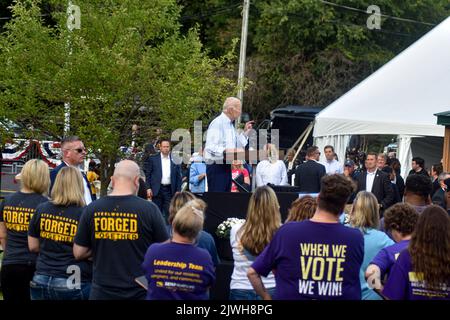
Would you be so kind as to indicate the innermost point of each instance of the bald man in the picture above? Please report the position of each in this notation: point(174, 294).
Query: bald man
point(222, 138)
point(116, 231)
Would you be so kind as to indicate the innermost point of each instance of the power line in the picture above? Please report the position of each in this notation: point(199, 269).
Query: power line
point(375, 30)
point(382, 15)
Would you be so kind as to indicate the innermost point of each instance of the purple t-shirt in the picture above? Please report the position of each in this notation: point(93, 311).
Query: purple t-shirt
point(405, 284)
point(386, 258)
point(314, 260)
point(177, 271)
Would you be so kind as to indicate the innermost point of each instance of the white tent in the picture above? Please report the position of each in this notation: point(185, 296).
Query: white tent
point(398, 99)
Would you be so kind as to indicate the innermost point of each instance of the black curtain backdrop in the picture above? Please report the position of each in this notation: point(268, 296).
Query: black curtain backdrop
point(222, 206)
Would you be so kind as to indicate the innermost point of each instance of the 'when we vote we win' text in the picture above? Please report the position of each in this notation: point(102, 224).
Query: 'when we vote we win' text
point(321, 269)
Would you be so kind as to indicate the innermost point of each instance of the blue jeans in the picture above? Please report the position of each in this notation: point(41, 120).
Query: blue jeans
point(55, 288)
point(242, 294)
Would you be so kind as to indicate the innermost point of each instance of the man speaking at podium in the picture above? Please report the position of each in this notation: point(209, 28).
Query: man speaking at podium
point(222, 139)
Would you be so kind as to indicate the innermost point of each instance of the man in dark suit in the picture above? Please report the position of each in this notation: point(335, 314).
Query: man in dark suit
point(377, 182)
point(439, 197)
point(309, 173)
point(163, 178)
point(73, 154)
point(418, 166)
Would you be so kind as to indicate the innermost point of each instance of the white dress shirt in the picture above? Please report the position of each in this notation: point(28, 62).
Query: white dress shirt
point(369, 180)
point(274, 173)
point(222, 135)
point(165, 164)
point(333, 167)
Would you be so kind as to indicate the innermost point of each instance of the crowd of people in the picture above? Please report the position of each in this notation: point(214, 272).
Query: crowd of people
point(63, 243)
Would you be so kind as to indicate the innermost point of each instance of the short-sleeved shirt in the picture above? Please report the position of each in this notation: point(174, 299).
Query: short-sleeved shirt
point(374, 241)
point(177, 271)
point(55, 227)
point(234, 175)
point(119, 229)
point(314, 260)
point(16, 212)
point(405, 284)
point(386, 258)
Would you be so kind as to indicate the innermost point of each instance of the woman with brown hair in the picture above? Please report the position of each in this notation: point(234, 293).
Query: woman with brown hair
point(248, 240)
point(16, 210)
point(204, 239)
point(302, 209)
point(422, 272)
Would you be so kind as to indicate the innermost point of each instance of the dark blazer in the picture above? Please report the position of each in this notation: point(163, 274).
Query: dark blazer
point(153, 174)
point(308, 175)
point(292, 171)
point(54, 173)
point(436, 186)
point(400, 185)
point(381, 187)
point(423, 171)
point(439, 198)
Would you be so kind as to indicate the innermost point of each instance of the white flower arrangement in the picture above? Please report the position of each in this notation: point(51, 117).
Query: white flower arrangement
point(223, 229)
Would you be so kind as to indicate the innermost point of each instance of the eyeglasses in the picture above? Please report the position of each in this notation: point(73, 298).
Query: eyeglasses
point(79, 150)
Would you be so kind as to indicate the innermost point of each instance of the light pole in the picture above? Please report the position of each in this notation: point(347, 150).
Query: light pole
point(242, 54)
point(73, 22)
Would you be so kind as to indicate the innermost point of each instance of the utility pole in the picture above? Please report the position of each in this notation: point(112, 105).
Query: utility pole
point(242, 54)
point(73, 22)
point(67, 104)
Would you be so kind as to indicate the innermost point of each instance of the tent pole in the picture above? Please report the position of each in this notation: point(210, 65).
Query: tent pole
point(305, 135)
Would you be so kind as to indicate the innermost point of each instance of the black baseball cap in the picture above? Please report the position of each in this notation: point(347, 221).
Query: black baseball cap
point(349, 163)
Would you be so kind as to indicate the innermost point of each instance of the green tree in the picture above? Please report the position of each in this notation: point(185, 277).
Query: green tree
point(127, 64)
point(309, 52)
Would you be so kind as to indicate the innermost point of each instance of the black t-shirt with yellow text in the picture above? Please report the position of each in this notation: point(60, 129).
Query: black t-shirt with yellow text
point(55, 227)
point(16, 212)
point(119, 229)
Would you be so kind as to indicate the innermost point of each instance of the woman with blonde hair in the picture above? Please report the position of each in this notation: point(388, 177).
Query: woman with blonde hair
point(16, 210)
point(51, 234)
point(204, 239)
point(179, 270)
point(248, 240)
point(237, 170)
point(272, 170)
point(366, 217)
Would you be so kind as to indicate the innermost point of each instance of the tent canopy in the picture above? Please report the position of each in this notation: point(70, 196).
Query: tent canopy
point(401, 97)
